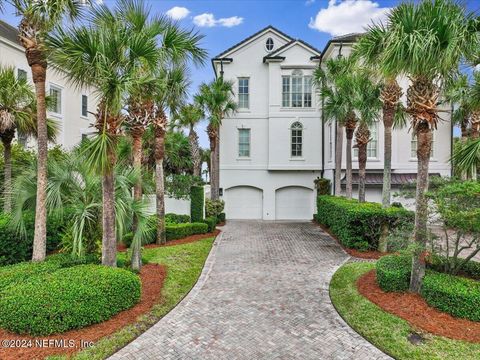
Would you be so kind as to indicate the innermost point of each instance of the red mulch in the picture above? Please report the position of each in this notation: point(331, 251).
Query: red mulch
point(152, 276)
point(414, 309)
point(375, 255)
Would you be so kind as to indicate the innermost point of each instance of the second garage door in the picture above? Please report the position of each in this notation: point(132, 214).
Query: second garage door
point(244, 202)
point(294, 203)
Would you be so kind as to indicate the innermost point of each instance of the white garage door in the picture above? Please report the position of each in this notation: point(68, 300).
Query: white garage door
point(294, 203)
point(244, 202)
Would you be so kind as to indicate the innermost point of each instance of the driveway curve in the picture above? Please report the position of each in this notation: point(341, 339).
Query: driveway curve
point(263, 294)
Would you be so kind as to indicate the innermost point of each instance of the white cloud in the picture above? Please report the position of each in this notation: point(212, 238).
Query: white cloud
point(208, 20)
point(178, 12)
point(347, 16)
point(309, 2)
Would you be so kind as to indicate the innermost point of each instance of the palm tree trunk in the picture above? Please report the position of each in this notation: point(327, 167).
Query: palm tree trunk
point(39, 73)
point(424, 141)
point(195, 150)
point(160, 186)
point(349, 186)
point(109, 240)
point(338, 159)
point(388, 114)
point(137, 195)
point(362, 165)
point(7, 187)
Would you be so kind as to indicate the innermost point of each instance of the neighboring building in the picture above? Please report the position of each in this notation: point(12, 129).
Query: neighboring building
point(71, 107)
point(275, 146)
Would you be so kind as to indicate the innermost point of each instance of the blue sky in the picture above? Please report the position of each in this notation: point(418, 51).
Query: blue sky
point(226, 22)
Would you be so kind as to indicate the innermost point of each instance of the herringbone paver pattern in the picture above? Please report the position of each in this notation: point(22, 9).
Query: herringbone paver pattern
point(262, 295)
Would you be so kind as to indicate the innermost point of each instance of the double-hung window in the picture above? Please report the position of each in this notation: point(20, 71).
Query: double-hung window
point(296, 139)
point(243, 93)
point(414, 144)
point(297, 90)
point(243, 142)
point(21, 74)
point(84, 105)
point(372, 146)
point(55, 100)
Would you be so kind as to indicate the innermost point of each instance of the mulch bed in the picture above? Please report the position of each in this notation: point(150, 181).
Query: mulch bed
point(152, 277)
point(186, 240)
point(414, 309)
point(370, 255)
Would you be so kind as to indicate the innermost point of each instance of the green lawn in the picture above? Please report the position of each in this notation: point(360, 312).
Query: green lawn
point(184, 265)
point(388, 332)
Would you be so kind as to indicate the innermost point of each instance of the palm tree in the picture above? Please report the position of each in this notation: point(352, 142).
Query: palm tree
point(367, 104)
point(217, 101)
point(426, 42)
point(189, 116)
point(369, 50)
point(38, 19)
point(336, 88)
point(15, 95)
point(111, 53)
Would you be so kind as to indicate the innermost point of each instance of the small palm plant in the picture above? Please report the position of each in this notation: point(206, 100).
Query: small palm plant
point(216, 100)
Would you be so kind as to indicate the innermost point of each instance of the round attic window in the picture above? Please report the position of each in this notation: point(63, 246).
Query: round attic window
point(269, 44)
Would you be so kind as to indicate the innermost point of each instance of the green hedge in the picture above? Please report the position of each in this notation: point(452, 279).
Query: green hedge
point(470, 268)
point(358, 225)
point(221, 217)
point(211, 222)
point(176, 218)
point(196, 203)
point(178, 231)
point(393, 272)
point(15, 248)
point(67, 299)
point(455, 295)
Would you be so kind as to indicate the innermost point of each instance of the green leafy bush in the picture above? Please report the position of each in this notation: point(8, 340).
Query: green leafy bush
point(211, 222)
point(67, 299)
point(443, 264)
point(455, 295)
point(221, 217)
point(179, 231)
point(358, 225)
point(393, 272)
point(176, 218)
point(323, 186)
point(15, 248)
point(213, 207)
point(196, 203)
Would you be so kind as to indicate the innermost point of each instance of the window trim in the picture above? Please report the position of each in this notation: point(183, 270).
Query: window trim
point(60, 89)
point(297, 73)
point(248, 93)
point(300, 128)
point(81, 107)
point(355, 150)
point(266, 44)
point(239, 156)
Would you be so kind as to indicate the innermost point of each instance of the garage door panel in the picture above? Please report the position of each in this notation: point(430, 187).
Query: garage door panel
point(244, 202)
point(294, 203)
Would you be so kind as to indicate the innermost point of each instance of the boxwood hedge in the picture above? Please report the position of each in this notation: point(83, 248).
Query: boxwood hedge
point(178, 231)
point(67, 299)
point(211, 223)
point(358, 225)
point(455, 295)
point(176, 218)
point(393, 272)
point(196, 203)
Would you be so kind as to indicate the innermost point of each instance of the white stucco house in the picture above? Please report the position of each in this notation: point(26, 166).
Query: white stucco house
point(72, 108)
point(275, 146)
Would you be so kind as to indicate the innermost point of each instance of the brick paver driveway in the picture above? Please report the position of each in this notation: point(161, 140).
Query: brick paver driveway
point(262, 295)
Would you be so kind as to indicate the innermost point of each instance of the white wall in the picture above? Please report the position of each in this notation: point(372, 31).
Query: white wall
point(172, 205)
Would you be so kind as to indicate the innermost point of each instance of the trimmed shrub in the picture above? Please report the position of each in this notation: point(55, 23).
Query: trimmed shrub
point(196, 203)
point(178, 231)
point(455, 295)
point(358, 225)
point(213, 207)
point(211, 222)
point(221, 217)
point(393, 272)
point(67, 299)
point(15, 248)
point(439, 263)
point(176, 218)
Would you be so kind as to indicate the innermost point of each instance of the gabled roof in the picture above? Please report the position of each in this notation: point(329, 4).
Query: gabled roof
point(269, 27)
point(9, 32)
point(347, 38)
point(274, 54)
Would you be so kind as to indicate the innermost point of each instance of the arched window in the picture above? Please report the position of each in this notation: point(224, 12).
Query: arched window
point(269, 44)
point(296, 132)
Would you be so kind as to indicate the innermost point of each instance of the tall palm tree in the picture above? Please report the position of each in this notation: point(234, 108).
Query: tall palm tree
point(426, 42)
point(108, 53)
point(189, 116)
point(217, 101)
point(15, 95)
point(336, 88)
point(369, 51)
point(367, 104)
point(38, 19)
